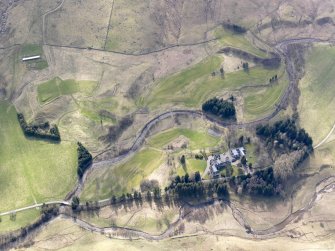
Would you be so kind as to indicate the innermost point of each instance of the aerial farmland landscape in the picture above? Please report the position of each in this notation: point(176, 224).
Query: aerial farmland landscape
point(167, 125)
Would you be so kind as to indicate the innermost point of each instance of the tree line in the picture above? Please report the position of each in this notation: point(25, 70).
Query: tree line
point(219, 107)
point(84, 159)
point(42, 131)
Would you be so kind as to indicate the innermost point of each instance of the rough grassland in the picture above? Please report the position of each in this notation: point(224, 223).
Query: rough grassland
point(193, 86)
point(22, 219)
point(53, 238)
point(228, 38)
point(32, 170)
point(125, 177)
point(316, 103)
point(261, 102)
point(56, 87)
point(145, 217)
point(197, 139)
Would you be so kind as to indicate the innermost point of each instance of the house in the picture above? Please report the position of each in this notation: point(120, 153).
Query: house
point(242, 151)
point(235, 154)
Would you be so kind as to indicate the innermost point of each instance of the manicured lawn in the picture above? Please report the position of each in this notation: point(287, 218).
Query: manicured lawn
point(56, 87)
point(193, 86)
point(197, 139)
point(251, 156)
point(32, 170)
point(125, 177)
point(316, 101)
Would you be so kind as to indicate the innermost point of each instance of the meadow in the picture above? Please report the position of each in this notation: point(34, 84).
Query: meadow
point(21, 219)
point(32, 170)
point(197, 139)
point(193, 86)
point(56, 87)
point(260, 102)
point(123, 178)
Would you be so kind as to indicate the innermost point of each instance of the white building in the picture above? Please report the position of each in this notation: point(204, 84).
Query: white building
point(31, 58)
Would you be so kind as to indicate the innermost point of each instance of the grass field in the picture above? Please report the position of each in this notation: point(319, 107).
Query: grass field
point(258, 103)
point(125, 177)
point(251, 156)
point(197, 139)
point(193, 86)
point(32, 170)
point(33, 50)
point(316, 103)
point(192, 166)
point(228, 38)
point(21, 219)
point(56, 87)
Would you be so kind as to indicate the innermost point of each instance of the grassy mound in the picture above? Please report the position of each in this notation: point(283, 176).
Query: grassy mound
point(32, 170)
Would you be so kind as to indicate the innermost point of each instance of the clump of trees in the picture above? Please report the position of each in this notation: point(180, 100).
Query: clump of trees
point(235, 28)
point(286, 163)
point(148, 185)
point(245, 66)
point(291, 145)
point(273, 79)
point(42, 131)
point(84, 159)
point(75, 202)
point(219, 107)
point(286, 136)
point(262, 182)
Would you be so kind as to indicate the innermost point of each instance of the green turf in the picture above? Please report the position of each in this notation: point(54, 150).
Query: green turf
point(32, 169)
point(193, 86)
point(56, 87)
point(258, 103)
point(33, 50)
point(316, 102)
point(251, 155)
point(192, 166)
point(197, 139)
point(125, 177)
point(28, 50)
point(239, 41)
point(21, 219)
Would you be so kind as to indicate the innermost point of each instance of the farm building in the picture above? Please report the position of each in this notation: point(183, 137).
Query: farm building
point(31, 58)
